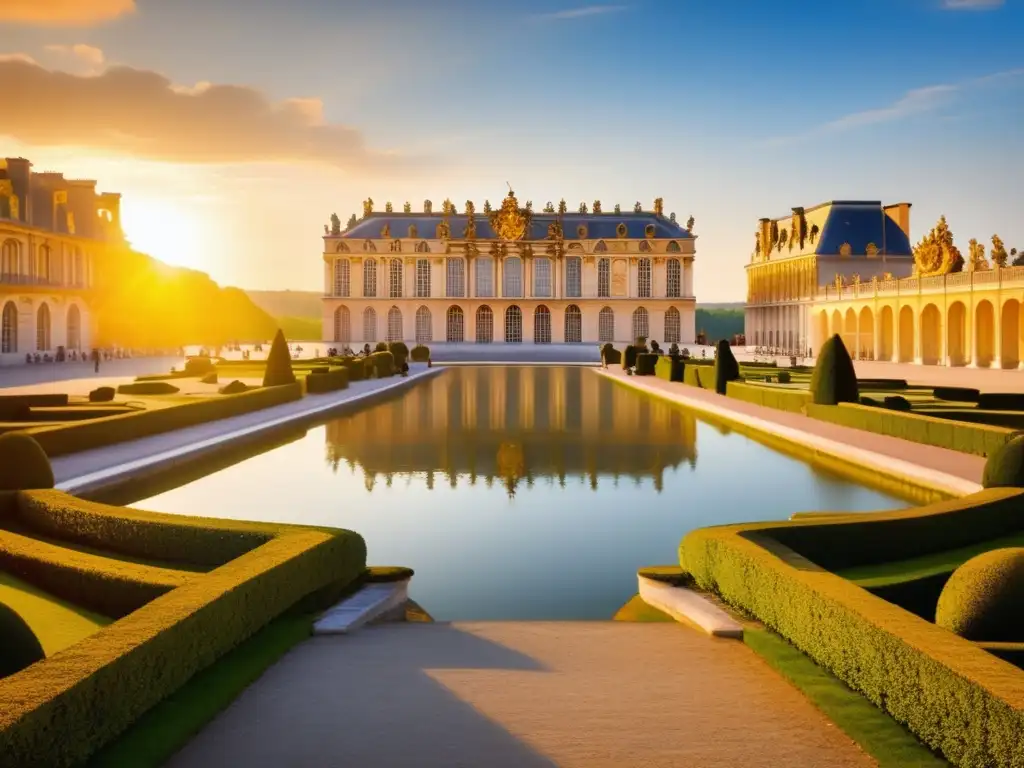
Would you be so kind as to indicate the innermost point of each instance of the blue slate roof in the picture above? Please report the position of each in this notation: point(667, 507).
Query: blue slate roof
point(600, 226)
point(859, 224)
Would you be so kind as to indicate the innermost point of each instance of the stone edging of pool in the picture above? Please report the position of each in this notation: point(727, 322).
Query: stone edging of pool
point(887, 466)
point(685, 605)
point(93, 481)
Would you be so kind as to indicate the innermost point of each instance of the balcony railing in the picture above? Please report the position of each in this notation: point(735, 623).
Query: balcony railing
point(42, 282)
point(335, 295)
point(957, 281)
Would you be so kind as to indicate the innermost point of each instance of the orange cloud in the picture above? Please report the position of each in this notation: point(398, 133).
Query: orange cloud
point(87, 54)
point(63, 12)
point(141, 113)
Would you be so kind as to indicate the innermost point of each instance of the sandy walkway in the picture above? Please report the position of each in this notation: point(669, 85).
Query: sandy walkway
point(522, 694)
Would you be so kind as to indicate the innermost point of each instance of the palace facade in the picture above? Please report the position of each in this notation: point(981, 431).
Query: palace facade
point(511, 275)
point(850, 241)
point(52, 231)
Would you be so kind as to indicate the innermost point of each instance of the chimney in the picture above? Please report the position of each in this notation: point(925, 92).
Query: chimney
point(82, 206)
point(108, 215)
point(900, 213)
point(19, 172)
point(766, 237)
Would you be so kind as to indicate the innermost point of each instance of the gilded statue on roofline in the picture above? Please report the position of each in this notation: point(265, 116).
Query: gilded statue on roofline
point(936, 254)
point(510, 222)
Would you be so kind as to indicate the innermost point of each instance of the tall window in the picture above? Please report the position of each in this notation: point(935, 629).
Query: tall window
point(573, 324)
point(542, 325)
point(43, 328)
point(79, 268)
point(342, 325)
point(673, 279)
point(369, 324)
point(641, 324)
point(341, 278)
point(74, 336)
point(9, 329)
point(606, 325)
point(513, 325)
point(395, 279)
point(643, 278)
point(424, 331)
point(455, 325)
point(512, 277)
point(542, 277)
point(484, 267)
point(394, 324)
point(604, 277)
point(484, 325)
point(422, 278)
point(574, 277)
point(673, 326)
point(455, 284)
point(43, 264)
point(370, 277)
point(9, 253)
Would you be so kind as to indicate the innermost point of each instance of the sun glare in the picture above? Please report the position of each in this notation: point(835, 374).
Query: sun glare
point(163, 229)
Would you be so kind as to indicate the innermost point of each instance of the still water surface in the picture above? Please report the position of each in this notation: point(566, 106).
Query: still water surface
point(519, 493)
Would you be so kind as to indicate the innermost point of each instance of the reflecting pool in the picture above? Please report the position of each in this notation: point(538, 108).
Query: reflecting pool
point(519, 493)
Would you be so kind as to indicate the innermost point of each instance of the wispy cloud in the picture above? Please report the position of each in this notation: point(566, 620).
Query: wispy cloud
point(70, 13)
point(88, 56)
point(972, 5)
point(917, 101)
point(581, 12)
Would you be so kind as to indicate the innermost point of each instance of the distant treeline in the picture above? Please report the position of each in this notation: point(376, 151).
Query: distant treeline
point(720, 323)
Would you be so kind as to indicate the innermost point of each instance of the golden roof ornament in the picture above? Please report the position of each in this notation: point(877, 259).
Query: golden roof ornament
point(562, 207)
point(444, 230)
point(936, 254)
point(413, 232)
point(659, 206)
point(388, 207)
point(583, 208)
point(487, 207)
point(469, 233)
point(385, 231)
point(510, 222)
point(871, 250)
point(845, 250)
point(448, 207)
point(976, 261)
point(367, 207)
point(689, 224)
point(352, 221)
point(798, 228)
point(618, 208)
point(428, 207)
point(597, 206)
point(407, 208)
point(549, 208)
point(638, 208)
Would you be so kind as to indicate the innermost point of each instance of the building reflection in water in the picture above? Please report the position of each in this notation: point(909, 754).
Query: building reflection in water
point(515, 425)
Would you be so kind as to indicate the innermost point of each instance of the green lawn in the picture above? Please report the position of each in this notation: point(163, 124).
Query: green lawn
point(57, 623)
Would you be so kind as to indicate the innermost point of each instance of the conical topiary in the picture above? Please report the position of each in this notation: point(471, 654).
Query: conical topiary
point(279, 363)
point(19, 647)
point(834, 380)
point(24, 465)
point(726, 367)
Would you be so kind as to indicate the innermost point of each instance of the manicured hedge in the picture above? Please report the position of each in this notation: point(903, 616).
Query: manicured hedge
point(956, 394)
point(953, 695)
point(645, 363)
point(978, 439)
point(328, 381)
point(93, 690)
point(782, 398)
point(670, 368)
point(15, 407)
point(147, 388)
point(420, 353)
point(881, 384)
point(702, 376)
point(1001, 401)
point(86, 435)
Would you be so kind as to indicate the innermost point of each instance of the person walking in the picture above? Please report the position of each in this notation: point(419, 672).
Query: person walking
point(96, 359)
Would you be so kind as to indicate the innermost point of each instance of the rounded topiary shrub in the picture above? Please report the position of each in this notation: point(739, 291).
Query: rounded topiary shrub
point(24, 465)
point(834, 379)
point(234, 388)
point(210, 378)
point(784, 377)
point(199, 365)
point(982, 599)
point(726, 367)
point(400, 352)
point(19, 647)
point(1004, 467)
point(147, 388)
point(382, 346)
point(420, 353)
point(629, 356)
point(102, 395)
point(279, 363)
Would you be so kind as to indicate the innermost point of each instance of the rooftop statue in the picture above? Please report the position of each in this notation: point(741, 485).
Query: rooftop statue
point(637, 208)
point(597, 206)
point(335, 224)
point(352, 221)
point(388, 208)
point(618, 208)
point(428, 207)
point(998, 252)
point(659, 206)
point(407, 208)
point(583, 207)
point(367, 207)
point(936, 254)
point(549, 208)
point(689, 224)
point(487, 207)
point(562, 207)
point(510, 222)
point(976, 256)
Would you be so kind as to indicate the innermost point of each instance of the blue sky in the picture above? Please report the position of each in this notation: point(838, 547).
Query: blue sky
point(728, 110)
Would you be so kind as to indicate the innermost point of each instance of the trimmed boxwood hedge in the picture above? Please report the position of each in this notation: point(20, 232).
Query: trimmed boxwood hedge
point(956, 394)
point(1001, 401)
point(92, 691)
point(957, 698)
point(420, 353)
point(645, 363)
point(327, 381)
point(97, 433)
point(670, 368)
point(784, 399)
point(696, 375)
point(147, 388)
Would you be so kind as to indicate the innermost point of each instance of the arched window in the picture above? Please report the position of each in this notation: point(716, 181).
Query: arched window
point(484, 268)
point(395, 279)
point(673, 326)
point(643, 278)
point(641, 324)
point(512, 277)
point(9, 329)
point(369, 324)
point(369, 246)
point(422, 247)
point(604, 277)
point(424, 329)
point(573, 325)
point(394, 325)
point(43, 264)
point(455, 325)
point(542, 325)
point(542, 277)
point(673, 279)
point(606, 325)
point(514, 325)
point(43, 328)
point(600, 247)
point(484, 325)
point(455, 279)
point(341, 248)
point(370, 278)
point(342, 284)
point(10, 253)
point(672, 247)
point(574, 277)
point(422, 278)
point(342, 325)
point(74, 335)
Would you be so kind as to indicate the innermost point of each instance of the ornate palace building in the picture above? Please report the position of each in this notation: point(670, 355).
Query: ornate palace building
point(509, 275)
point(843, 241)
point(52, 230)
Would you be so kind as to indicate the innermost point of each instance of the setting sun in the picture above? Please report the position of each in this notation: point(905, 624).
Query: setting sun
point(163, 229)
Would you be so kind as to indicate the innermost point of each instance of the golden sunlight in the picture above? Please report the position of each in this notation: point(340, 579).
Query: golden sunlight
point(165, 230)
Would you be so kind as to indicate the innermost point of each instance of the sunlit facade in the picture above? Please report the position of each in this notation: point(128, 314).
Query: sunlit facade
point(53, 232)
point(515, 425)
point(510, 275)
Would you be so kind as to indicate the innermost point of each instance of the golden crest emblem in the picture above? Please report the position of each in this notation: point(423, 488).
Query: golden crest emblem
point(510, 222)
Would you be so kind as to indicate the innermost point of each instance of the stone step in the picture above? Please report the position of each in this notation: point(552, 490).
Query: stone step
point(688, 606)
point(369, 603)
